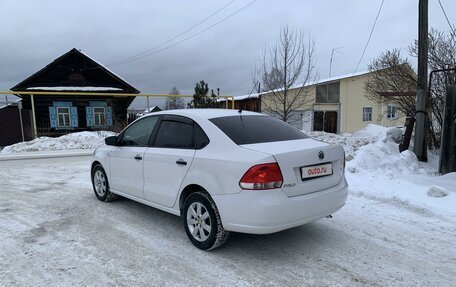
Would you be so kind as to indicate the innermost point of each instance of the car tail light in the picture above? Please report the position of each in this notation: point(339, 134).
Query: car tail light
point(262, 176)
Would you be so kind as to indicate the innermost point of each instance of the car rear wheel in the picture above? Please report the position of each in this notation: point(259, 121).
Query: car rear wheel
point(202, 222)
point(101, 185)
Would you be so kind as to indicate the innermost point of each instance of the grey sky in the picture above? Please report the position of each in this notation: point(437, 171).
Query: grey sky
point(33, 33)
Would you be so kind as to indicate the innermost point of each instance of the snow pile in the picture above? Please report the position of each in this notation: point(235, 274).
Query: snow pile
point(351, 144)
point(375, 169)
point(80, 140)
point(374, 149)
point(382, 155)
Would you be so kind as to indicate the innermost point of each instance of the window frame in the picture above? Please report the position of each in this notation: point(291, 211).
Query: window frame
point(326, 96)
point(68, 113)
point(94, 117)
point(389, 112)
point(370, 114)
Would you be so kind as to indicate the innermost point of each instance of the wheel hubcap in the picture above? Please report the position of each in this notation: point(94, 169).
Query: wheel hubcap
point(198, 221)
point(99, 181)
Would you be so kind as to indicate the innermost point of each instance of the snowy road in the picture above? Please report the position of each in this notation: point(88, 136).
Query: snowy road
point(53, 231)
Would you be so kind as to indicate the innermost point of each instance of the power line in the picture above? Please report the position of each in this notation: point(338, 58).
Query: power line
point(370, 35)
point(446, 17)
point(175, 37)
point(190, 37)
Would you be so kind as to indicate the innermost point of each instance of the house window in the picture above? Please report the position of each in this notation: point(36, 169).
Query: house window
point(99, 116)
point(391, 112)
point(367, 114)
point(63, 117)
point(328, 93)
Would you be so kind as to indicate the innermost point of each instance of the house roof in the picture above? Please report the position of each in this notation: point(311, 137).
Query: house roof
point(75, 71)
point(10, 104)
point(152, 109)
point(316, 82)
point(5, 103)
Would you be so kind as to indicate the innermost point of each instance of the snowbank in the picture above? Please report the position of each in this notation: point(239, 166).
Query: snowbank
point(80, 140)
point(376, 169)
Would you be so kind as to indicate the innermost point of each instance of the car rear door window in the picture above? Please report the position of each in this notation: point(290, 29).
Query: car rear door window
point(251, 129)
point(138, 134)
point(175, 132)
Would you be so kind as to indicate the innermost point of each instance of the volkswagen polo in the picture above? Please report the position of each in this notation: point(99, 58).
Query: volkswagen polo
point(222, 171)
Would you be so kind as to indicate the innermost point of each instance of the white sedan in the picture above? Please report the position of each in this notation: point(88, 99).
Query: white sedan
point(222, 171)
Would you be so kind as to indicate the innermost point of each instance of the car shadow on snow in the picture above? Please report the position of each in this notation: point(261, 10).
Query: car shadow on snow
point(309, 238)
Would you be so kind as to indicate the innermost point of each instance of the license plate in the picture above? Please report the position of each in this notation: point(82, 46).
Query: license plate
point(316, 170)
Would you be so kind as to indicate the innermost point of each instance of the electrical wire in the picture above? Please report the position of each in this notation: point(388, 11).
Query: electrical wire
point(370, 36)
point(448, 21)
point(188, 38)
point(175, 37)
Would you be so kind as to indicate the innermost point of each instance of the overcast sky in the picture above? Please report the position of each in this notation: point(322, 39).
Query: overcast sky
point(33, 33)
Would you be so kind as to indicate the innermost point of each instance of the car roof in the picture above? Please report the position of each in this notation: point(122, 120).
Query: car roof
point(205, 113)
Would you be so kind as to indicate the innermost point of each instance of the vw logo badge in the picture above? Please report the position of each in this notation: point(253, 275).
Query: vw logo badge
point(321, 154)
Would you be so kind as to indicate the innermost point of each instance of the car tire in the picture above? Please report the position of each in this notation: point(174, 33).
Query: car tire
point(100, 184)
point(202, 222)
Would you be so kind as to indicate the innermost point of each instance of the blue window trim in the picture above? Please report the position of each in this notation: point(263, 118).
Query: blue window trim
point(90, 115)
point(98, 104)
point(64, 104)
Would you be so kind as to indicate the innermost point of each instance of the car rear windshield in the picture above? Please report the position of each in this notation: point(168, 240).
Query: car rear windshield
point(253, 129)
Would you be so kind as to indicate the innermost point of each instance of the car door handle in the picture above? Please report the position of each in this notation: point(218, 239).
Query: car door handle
point(138, 157)
point(181, 162)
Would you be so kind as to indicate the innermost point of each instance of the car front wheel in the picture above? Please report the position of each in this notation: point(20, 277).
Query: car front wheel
point(202, 222)
point(101, 185)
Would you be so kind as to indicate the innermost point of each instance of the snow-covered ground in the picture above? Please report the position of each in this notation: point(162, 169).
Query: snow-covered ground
point(375, 169)
point(398, 228)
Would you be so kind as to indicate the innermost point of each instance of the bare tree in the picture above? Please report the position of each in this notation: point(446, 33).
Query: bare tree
point(441, 55)
point(285, 70)
point(173, 103)
point(394, 80)
point(274, 78)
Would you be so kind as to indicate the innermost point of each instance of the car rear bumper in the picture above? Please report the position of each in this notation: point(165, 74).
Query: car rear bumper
point(269, 211)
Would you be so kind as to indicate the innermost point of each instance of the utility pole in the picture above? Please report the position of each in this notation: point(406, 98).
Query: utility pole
point(259, 87)
point(19, 107)
point(331, 60)
point(420, 147)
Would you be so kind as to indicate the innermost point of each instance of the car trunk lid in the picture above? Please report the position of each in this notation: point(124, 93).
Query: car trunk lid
point(307, 165)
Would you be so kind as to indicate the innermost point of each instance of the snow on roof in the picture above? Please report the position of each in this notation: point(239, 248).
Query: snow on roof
point(151, 109)
point(335, 78)
point(238, 98)
point(73, 88)
point(331, 79)
point(9, 103)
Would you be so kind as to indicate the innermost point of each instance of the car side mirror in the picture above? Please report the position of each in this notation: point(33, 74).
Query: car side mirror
point(111, 140)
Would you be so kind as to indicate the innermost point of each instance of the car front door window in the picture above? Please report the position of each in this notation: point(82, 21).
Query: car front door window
point(138, 134)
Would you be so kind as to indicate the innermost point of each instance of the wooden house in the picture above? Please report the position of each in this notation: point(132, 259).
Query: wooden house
point(250, 102)
point(76, 72)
